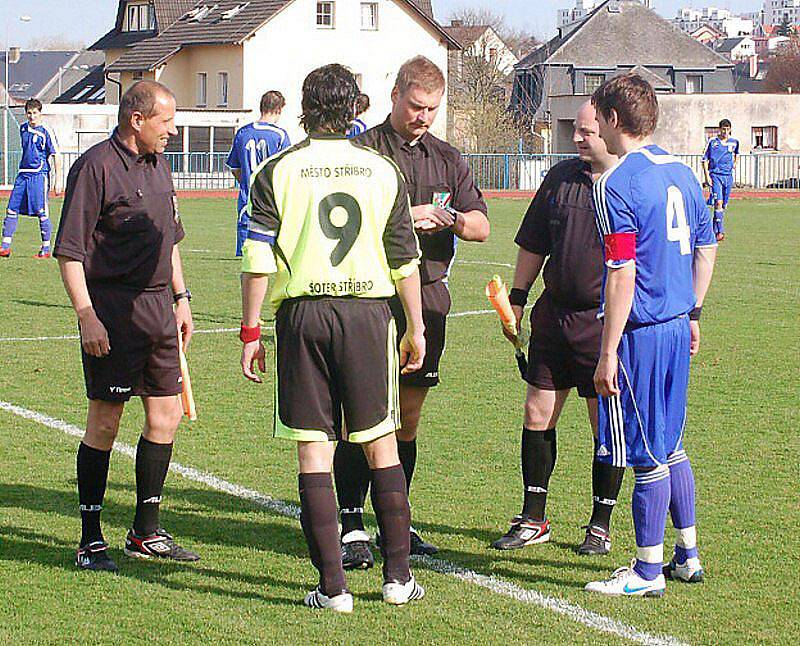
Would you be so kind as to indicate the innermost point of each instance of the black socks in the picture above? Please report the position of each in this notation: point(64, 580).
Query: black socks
point(92, 470)
point(538, 457)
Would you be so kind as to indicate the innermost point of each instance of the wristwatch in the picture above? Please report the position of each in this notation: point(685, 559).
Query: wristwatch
point(184, 294)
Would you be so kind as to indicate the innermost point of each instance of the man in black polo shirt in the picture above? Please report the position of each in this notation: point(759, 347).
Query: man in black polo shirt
point(565, 333)
point(446, 206)
point(117, 249)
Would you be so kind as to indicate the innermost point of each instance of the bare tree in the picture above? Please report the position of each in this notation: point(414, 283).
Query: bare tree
point(784, 68)
point(480, 88)
point(519, 40)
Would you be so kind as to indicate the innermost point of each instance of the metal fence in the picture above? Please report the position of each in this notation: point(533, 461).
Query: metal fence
point(525, 172)
point(509, 172)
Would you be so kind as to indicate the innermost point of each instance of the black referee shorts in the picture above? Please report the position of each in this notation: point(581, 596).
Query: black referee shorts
point(143, 336)
point(435, 307)
point(564, 347)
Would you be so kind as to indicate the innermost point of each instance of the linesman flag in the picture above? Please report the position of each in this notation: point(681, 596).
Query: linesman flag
point(187, 396)
point(497, 294)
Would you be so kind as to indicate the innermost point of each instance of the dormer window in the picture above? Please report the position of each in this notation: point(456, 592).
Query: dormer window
point(139, 16)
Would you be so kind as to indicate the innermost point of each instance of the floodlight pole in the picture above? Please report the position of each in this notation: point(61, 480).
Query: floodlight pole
point(7, 105)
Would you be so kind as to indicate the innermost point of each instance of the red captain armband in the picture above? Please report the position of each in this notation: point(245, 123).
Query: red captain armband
point(620, 247)
point(248, 334)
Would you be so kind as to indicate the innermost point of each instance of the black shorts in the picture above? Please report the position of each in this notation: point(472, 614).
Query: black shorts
point(435, 307)
point(564, 347)
point(336, 357)
point(144, 346)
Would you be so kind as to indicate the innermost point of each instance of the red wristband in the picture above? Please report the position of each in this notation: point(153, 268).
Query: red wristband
point(248, 334)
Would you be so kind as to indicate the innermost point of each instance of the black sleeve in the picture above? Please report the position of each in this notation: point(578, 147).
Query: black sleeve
point(83, 205)
point(263, 209)
point(534, 232)
point(399, 239)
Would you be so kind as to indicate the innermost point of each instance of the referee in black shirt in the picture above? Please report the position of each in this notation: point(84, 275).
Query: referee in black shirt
point(559, 226)
point(446, 205)
point(117, 249)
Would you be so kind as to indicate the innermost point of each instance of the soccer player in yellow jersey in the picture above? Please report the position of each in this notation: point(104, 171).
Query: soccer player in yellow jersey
point(331, 220)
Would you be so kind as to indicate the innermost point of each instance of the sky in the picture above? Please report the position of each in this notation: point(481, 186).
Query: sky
point(86, 20)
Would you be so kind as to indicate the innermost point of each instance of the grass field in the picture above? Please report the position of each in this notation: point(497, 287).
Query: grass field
point(742, 437)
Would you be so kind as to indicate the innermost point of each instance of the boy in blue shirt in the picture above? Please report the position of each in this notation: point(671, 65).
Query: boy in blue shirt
point(253, 144)
point(357, 125)
point(29, 195)
point(719, 162)
point(659, 256)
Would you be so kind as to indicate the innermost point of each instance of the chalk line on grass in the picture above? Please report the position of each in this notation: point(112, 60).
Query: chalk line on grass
point(495, 585)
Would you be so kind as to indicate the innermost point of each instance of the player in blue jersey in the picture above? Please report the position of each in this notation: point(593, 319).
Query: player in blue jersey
point(253, 144)
point(29, 195)
point(357, 125)
point(659, 255)
point(719, 162)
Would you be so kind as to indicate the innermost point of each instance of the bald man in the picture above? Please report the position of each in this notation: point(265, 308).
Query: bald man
point(559, 233)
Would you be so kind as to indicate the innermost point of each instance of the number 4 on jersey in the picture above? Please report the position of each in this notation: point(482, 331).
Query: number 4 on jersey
point(677, 224)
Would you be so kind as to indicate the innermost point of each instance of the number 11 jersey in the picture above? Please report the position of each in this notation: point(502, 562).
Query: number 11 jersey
point(650, 212)
point(332, 219)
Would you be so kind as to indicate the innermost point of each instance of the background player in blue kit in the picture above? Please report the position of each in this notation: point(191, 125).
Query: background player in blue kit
point(659, 255)
point(357, 125)
point(719, 162)
point(252, 144)
point(29, 195)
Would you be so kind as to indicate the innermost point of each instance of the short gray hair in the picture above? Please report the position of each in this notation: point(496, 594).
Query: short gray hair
point(141, 97)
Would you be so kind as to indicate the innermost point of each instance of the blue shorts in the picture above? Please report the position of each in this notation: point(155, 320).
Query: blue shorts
point(644, 424)
point(720, 189)
point(29, 195)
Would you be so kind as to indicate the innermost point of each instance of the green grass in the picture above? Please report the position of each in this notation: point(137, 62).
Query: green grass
point(742, 438)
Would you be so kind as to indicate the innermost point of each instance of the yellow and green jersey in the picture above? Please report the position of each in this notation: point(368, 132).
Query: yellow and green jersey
point(330, 218)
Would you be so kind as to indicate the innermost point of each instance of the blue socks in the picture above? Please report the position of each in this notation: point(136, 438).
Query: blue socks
point(45, 228)
point(651, 495)
point(9, 228)
point(719, 227)
point(682, 505)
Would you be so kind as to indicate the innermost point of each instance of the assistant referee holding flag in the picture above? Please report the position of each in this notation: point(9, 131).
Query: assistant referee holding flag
point(332, 221)
point(117, 248)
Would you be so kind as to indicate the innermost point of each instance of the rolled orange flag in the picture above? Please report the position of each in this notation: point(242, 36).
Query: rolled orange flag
point(497, 294)
point(187, 397)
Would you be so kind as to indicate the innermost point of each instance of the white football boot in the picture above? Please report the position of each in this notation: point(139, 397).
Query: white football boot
point(342, 602)
point(401, 593)
point(625, 582)
point(689, 572)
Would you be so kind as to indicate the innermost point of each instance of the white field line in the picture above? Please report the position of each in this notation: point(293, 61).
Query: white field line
point(484, 262)
point(573, 611)
point(216, 330)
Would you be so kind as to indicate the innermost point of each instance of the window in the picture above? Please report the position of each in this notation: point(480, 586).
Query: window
point(710, 132)
point(222, 88)
point(202, 89)
point(140, 17)
point(592, 81)
point(138, 75)
point(325, 15)
point(765, 137)
point(694, 84)
point(369, 15)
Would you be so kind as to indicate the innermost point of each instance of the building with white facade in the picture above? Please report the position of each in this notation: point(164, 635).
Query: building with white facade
point(778, 11)
point(582, 9)
point(220, 56)
point(690, 20)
